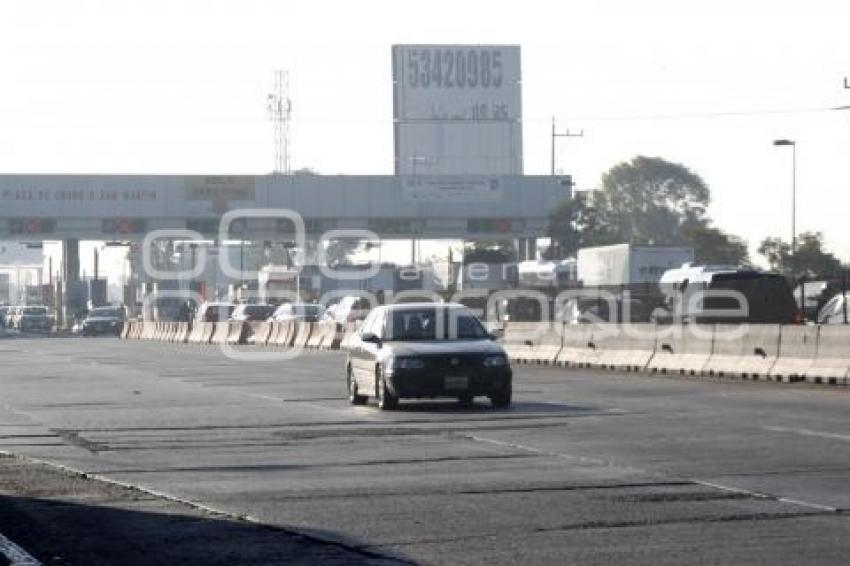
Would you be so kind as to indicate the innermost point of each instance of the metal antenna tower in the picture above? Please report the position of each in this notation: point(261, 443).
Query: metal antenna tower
point(280, 111)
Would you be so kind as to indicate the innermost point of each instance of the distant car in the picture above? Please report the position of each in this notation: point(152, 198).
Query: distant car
point(419, 350)
point(252, 312)
point(33, 318)
point(348, 309)
point(103, 320)
point(306, 312)
point(835, 311)
point(215, 312)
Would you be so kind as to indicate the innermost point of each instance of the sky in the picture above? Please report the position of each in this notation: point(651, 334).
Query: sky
point(180, 87)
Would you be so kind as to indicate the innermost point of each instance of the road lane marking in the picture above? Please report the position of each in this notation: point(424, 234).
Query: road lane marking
point(808, 432)
point(16, 555)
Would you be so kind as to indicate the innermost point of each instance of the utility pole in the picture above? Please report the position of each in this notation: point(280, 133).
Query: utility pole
point(565, 134)
point(280, 111)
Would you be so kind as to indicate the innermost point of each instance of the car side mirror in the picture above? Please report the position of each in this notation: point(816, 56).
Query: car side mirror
point(371, 337)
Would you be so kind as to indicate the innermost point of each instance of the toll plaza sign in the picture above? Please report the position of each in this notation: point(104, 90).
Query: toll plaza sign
point(457, 109)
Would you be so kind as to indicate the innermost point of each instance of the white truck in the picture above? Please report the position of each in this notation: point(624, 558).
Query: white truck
point(624, 264)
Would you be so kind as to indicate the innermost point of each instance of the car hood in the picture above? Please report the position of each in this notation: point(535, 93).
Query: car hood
point(440, 347)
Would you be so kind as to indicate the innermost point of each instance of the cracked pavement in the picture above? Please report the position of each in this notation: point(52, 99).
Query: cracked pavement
point(585, 468)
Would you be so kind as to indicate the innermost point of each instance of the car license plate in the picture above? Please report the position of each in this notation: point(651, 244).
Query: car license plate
point(457, 382)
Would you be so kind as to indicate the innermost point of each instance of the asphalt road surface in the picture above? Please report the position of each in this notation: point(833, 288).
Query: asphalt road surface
point(192, 457)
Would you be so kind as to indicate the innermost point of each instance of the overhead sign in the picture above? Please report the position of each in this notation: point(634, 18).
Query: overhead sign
point(457, 109)
point(452, 189)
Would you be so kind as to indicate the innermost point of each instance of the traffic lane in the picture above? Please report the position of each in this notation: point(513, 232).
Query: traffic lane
point(771, 438)
point(371, 459)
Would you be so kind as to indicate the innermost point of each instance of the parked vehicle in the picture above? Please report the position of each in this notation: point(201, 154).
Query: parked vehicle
point(306, 312)
point(431, 350)
point(251, 312)
point(103, 320)
point(34, 318)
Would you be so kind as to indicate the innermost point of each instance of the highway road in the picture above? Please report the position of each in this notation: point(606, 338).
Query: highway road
point(191, 457)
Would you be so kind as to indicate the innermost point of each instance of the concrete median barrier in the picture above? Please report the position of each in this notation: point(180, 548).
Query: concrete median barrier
point(303, 330)
point(138, 328)
point(627, 347)
point(259, 332)
point(202, 332)
point(349, 336)
point(181, 333)
point(317, 335)
point(221, 330)
point(577, 349)
point(747, 351)
point(520, 339)
point(237, 333)
point(125, 330)
point(282, 334)
point(832, 360)
point(546, 349)
point(797, 350)
point(683, 349)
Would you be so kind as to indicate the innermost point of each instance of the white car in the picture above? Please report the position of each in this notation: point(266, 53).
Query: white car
point(835, 311)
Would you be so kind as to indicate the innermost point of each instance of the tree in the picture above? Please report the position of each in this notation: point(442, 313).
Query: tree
point(645, 201)
point(712, 246)
point(810, 261)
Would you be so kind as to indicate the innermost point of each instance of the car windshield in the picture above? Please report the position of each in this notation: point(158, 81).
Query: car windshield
point(35, 311)
point(107, 313)
point(433, 324)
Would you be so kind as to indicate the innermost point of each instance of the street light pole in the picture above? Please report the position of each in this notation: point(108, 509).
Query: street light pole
point(793, 145)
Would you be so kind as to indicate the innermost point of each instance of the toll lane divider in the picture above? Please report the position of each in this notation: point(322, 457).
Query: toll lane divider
point(816, 354)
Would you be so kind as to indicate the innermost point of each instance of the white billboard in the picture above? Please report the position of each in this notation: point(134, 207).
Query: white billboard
point(457, 109)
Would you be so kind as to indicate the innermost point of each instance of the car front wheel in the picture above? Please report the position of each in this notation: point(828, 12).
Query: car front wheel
point(501, 399)
point(386, 400)
point(353, 396)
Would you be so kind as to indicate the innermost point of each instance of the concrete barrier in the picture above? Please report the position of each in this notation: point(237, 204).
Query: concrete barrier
point(181, 333)
point(149, 330)
point(349, 336)
point(520, 339)
point(682, 349)
point(577, 349)
point(221, 330)
point(138, 328)
point(545, 350)
point(259, 332)
point(317, 335)
point(832, 361)
point(748, 351)
point(282, 334)
point(623, 347)
point(797, 350)
point(237, 333)
point(302, 333)
point(333, 339)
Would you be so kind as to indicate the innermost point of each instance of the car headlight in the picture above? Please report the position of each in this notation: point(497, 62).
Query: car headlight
point(495, 361)
point(409, 363)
